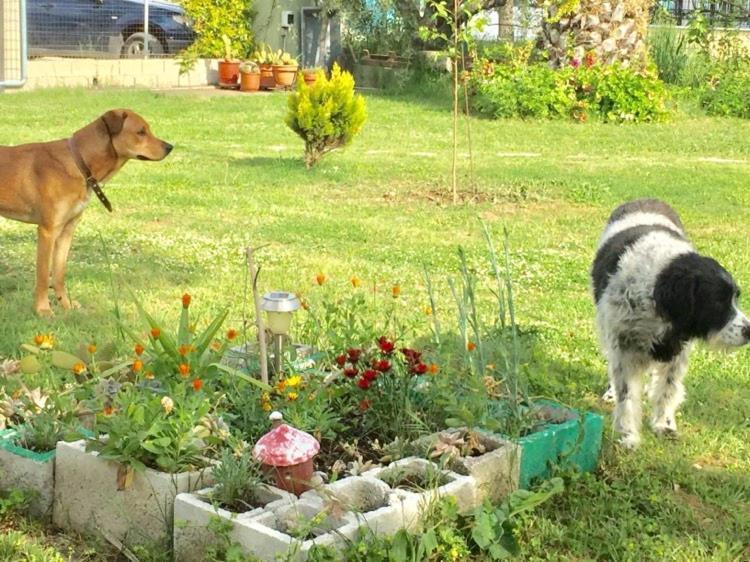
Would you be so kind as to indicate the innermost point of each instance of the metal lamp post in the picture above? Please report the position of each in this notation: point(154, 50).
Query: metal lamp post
point(279, 307)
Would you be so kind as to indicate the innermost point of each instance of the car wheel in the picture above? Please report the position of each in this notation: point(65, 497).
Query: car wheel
point(135, 46)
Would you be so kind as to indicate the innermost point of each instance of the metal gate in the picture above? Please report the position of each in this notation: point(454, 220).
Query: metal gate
point(13, 47)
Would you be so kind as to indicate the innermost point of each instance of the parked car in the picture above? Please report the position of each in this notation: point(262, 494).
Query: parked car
point(105, 28)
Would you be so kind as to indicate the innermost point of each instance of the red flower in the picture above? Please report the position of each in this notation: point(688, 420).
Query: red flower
point(155, 333)
point(138, 349)
point(385, 345)
point(353, 353)
point(471, 346)
point(364, 405)
point(369, 375)
point(590, 60)
point(575, 63)
point(197, 384)
point(351, 372)
point(382, 365)
point(231, 334)
point(341, 360)
point(363, 383)
point(419, 369)
point(184, 370)
point(412, 356)
point(186, 300)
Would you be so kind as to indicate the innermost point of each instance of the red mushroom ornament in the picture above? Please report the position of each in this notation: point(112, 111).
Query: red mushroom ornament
point(287, 453)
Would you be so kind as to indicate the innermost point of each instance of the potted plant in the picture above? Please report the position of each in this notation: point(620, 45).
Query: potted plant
point(249, 77)
point(285, 69)
point(265, 58)
point(229, 68)
point(310, 75)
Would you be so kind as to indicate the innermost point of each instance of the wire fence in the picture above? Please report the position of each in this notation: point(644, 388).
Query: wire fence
point(106, 28)
point(726, 13)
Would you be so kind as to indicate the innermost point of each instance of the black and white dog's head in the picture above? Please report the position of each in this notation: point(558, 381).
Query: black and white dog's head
point(699, 298)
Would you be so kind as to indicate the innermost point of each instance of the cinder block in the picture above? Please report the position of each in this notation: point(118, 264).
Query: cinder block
point(496, 471)
point(87, 499)
point(193, 512)
point(29, 471)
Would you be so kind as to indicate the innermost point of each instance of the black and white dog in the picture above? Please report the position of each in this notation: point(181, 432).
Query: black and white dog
point(654, 294)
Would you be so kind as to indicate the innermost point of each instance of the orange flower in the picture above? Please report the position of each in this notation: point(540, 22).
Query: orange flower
point(44, 341)
point(184, 349)
point(79, 368)
point(356, 282)
point(216, 345)
point(197, 384)
point(138, 349)
point(396, 291)
point(231, 334)
point(281, 385)
point(137, 366)
point(91, 348)
point(186, 300)
point(155, 333)
point(149, 375)
point(108, 410)
point(184, 370)
point(471, 346)
point(433, 369)
point(320, 278)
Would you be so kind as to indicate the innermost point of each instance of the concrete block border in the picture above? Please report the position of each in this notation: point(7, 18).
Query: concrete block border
point(87, 499)
point(28, 470)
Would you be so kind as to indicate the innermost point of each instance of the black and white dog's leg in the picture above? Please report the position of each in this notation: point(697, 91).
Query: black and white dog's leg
point(627, 379)
point(666, 393)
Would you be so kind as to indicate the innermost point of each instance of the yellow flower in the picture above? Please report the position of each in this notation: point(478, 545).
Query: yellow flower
point(148, 375)
point(427, 310)
point(91, 348)
point(396, 291)
point(79, 368)
point(291, 396)
point(320, 278)
point(294, 380)
point(265, 402)
point(44, 341)
point(356, 281)
point(167, 404)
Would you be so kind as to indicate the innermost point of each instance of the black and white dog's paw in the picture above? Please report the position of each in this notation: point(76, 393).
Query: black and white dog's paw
point(665, 430)
point(630, 441)
point(609, 395)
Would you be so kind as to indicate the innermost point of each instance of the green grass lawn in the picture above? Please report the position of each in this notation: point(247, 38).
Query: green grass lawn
point(377, 211)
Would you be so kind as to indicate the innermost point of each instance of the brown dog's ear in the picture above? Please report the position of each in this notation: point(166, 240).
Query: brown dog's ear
point(114, 120)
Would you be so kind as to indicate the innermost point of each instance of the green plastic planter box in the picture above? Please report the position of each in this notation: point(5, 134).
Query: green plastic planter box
point(574, 443)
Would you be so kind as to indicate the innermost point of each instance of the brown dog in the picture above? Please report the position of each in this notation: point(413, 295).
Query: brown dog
point(49, 184)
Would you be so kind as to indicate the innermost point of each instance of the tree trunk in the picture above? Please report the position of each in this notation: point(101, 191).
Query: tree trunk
point(505, 30)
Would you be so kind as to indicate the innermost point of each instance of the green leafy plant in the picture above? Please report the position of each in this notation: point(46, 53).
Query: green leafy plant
point(224, 29)
point(225, 550)
point(326, 115)
point(237, 480)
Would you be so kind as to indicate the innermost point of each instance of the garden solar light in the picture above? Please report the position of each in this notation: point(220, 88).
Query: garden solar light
point(279, 307)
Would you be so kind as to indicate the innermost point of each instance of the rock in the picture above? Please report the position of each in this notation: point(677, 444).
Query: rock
point(619, 14)
point(609, 45)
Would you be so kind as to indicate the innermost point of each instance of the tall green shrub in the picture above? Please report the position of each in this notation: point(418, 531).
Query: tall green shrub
point(212, 21)
point(327, 114)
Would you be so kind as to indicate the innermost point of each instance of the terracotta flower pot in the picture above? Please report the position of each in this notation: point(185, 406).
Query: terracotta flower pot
point(267, 81)
point(249, 81)
point(284, 74)
point(310, 76)
point(229, 74)
point(294, 479)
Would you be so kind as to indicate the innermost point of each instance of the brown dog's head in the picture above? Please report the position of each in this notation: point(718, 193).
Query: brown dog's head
point(132, 137)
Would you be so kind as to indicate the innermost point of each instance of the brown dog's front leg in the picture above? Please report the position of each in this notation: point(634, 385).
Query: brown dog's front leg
point(45, 243)
point(60, 262)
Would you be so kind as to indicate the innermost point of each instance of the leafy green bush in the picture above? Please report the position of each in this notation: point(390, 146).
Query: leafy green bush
point(327, 114)
point(728, 92)
point(237, 479)
point(213, 21)
point(518, 87)
point(18, 547)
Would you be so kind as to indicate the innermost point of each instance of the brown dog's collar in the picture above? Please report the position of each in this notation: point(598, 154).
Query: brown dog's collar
point(91, 181)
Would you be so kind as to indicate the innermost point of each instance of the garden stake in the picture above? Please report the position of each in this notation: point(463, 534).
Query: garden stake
point(258, 316)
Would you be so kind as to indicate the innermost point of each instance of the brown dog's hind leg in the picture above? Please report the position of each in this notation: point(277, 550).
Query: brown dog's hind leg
point(46, 237)
point(60, 262)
